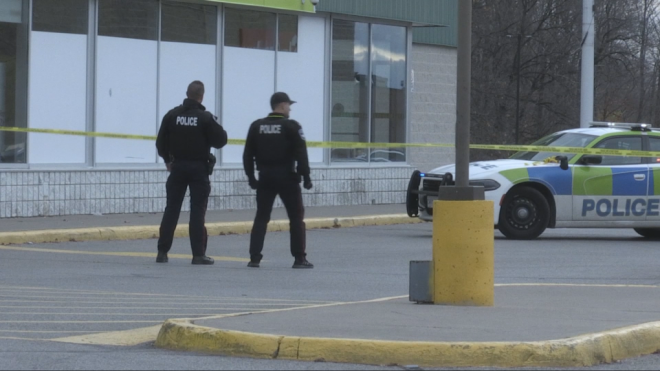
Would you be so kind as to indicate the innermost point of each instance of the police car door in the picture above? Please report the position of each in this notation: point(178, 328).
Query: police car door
point(653, 202)
point(611, 188)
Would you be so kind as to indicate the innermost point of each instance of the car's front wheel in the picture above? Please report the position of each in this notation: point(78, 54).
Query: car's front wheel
point(525, 214)
point(648, 232)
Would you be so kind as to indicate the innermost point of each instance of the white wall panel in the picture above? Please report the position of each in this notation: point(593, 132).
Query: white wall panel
point(248, 83)
point(181, 64)
point(57, 96)
point(126, 81)
point(302, 76)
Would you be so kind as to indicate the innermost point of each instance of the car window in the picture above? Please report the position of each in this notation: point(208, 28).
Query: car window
point(654, 147)
point(623, 143)
point(387, 156)
point(556, 140)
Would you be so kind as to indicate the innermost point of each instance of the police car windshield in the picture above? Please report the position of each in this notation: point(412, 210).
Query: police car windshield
point(556, 140)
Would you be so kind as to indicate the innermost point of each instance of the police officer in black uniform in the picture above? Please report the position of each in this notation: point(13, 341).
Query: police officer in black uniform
point(185, 138)
point(277, 144)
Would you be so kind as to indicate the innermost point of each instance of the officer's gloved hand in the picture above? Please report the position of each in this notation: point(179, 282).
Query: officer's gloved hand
point(307, 182)
point(253, 183)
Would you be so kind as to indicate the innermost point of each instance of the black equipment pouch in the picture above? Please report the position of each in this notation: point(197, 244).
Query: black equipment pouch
point(211, 163)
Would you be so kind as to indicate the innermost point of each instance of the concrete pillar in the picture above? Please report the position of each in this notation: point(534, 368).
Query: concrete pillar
point(587, 78)
point(463, 253)
point(3, 102)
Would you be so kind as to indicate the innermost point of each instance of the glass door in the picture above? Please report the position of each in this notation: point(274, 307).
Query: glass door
point(13, 79)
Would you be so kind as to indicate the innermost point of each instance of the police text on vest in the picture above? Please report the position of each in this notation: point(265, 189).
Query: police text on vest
point(270, 129)
point(186, 121)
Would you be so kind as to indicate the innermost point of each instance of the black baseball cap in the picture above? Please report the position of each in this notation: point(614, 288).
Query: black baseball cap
point(278, 98)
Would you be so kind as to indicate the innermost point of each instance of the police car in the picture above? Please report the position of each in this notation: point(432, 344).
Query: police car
point(532, 191)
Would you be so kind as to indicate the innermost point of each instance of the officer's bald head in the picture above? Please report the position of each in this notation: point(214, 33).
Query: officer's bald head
point(196, 91)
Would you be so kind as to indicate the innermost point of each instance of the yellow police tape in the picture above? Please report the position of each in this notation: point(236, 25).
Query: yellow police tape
point(316, 144)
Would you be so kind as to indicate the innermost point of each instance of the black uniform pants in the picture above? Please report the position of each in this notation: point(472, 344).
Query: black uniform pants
point(184, 174)
point(287, 186)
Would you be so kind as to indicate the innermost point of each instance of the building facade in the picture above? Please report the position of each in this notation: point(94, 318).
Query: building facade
point(360, 70)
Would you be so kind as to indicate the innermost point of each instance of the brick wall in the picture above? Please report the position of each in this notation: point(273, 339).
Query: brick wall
point(75, 192)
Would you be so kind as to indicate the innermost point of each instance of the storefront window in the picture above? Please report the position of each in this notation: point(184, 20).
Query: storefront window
point(388, 91)
point(249, 29)
point(350, 88)
point(188, 23)
point(368, 90)
point(13, 79)
point(126, 79)
point(133, 19)
point(63, 16)
point(58, 43)
point(287, 33)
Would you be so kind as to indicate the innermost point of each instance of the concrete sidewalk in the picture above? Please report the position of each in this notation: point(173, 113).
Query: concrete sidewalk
point(212, 216)
point(527, 327)
point(219, 222)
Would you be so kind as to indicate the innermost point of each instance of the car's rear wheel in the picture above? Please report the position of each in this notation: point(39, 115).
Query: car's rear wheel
point(525, 214)
point(648, 232)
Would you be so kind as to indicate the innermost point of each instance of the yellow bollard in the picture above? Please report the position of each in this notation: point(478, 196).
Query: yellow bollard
point(463, 253)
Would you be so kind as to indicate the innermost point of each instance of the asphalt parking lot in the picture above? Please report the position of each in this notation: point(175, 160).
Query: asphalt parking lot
point(68, 299)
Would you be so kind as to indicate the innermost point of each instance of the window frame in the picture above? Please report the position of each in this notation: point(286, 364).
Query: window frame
point(647, 144)
point(21, 90)
point(85, 28)
point(243, 9)
point(278, 17)
point(166, 3)
point(330, 39)
point(643, 147)
point(156, 31)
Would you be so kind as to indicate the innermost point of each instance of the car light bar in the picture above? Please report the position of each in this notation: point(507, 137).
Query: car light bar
point(622, 125)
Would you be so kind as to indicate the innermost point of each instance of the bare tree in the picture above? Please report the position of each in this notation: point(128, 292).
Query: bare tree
point(525, 69)
point(526, 66)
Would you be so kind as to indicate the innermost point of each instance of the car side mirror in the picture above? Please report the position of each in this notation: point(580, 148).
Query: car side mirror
point(591, 159)
point(563, 162)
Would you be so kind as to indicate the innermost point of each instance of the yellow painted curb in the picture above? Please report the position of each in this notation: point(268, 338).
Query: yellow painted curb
point(580, 351)
point(214, 229)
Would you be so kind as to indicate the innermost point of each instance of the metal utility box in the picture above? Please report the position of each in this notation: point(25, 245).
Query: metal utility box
point(420, 281)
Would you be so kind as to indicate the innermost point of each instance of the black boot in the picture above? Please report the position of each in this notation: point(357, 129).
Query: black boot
point(202, 260)
point(302, 264)
point(162, 257)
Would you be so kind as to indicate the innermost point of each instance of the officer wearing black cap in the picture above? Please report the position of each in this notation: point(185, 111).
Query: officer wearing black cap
point(277, 144)
point(185, 138)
